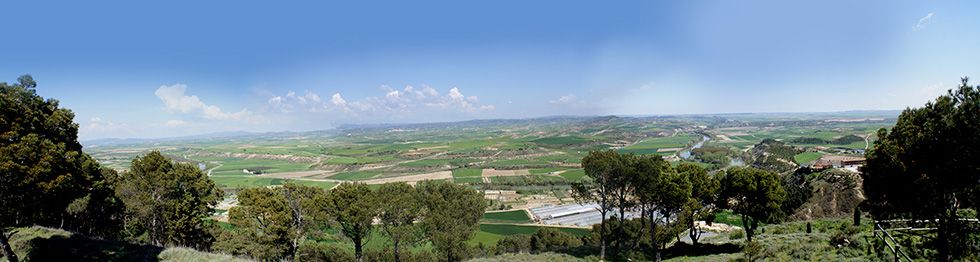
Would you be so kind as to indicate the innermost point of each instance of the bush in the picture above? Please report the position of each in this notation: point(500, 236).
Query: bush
point(518, 243)
point(736, 234)
point(753, 251)
point(550, 239)
point(387, 254)
point(315, 251)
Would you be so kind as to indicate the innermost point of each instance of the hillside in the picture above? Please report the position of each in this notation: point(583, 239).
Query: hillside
point(834, 193)
point(47, 244)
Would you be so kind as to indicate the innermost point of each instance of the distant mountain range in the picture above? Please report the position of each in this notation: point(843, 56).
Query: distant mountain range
point(486, 122)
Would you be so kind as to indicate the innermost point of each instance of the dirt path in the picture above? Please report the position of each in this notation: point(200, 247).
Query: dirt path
point(411, 179)
point(213, 168)
point(296, 174)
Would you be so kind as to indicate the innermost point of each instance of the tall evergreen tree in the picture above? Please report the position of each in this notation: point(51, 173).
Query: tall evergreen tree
point(704, 194)
point(755, 194)
point(603, 168)
point(663, 192)
point(353, 206)
point(451, 215)
point(45, 178)
point(271, 223)
point(398, 212)
point(928, 167)
point(168, 202)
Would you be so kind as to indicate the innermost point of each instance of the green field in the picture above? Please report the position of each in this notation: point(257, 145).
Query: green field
point(727, 217)
point(245, 182)
point(346, 160)
point(560, 140)
point(573, 175)
point(513, 216)
point(524, 179)
point(491, 233)
point(467, 172)
point(468, 180)
point(652, 145)
point(806, 157)
point(324, 185)
point(235, 166)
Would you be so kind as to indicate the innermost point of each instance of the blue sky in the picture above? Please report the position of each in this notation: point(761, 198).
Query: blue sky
point(173, 68)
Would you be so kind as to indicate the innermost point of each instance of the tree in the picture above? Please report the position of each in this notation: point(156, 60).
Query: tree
point(353, 206)
point(398, 213)
point(623, 192)
point(926, 167)
point(755, 194)
point(273, 222)
point(451, 215)
point(663, 192)
point(704, 194)
point(168, 202)
point(601, 167)
point(44, 175)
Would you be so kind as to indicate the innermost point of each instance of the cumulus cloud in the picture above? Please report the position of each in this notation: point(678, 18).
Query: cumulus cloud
point(292, 102)
point(175, 100)
point(338, 100)
point(406, 101)
point(923, 22)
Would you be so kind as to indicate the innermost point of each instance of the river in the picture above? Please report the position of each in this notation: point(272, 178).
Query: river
point(686, 154)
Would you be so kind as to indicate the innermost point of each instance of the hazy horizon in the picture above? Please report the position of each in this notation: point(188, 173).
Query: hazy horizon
point(154, 70)
point(834, 113)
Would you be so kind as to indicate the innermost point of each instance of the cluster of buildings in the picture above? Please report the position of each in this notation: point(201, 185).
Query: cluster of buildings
point(831, 161)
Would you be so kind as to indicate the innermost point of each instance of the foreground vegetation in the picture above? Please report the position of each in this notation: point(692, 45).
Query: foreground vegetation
point(59, 203)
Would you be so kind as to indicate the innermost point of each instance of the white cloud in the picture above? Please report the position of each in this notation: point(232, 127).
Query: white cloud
point(338, 100)
point(176, 101)
point(175, 123)
point(923, 22)
point(406, 102)
point(565, 99)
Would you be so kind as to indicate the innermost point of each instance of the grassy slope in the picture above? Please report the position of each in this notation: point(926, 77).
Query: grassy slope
point(807, 157)
point(47, 244)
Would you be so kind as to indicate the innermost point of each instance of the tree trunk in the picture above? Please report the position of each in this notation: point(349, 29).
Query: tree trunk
point(397, 254)
point(748, 230)
point(636, 240)
point(695, 231)
point(7, 252)
point(653, 236)
point(602, 235)
point(942, 240)
point(622, 227)
point(357, 250)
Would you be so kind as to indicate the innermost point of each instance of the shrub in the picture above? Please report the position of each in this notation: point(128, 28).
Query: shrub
point(518, 243)
point(736, 234)
point(315, 251)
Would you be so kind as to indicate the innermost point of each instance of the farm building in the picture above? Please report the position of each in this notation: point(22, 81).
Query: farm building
point(501, 195)
point(832, 161)
point(582, 215)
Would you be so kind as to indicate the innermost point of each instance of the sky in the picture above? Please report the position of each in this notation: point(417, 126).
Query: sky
point(147, 69)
